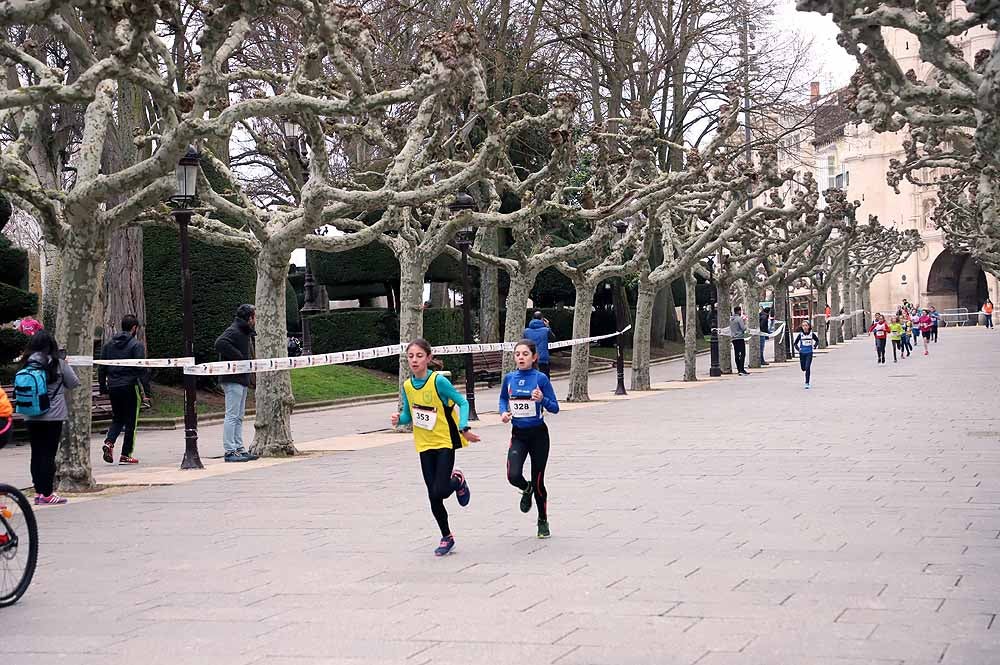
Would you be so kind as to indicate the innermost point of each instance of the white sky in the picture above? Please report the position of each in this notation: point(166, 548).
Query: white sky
point(835, 65)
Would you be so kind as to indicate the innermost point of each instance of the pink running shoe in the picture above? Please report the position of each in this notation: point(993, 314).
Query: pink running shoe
point(50, 500)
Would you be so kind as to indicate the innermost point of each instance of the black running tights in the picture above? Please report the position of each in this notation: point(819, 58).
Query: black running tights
point(530, 442)
point(880, 349)
point(437, 466)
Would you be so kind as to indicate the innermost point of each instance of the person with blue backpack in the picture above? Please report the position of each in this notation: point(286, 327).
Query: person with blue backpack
point(40, 396)
point(539, 332)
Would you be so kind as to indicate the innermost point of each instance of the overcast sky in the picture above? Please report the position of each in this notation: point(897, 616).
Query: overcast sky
point(837, 65)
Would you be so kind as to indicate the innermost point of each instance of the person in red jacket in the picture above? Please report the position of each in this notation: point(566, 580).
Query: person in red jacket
point(881, 329)
point(926, 324)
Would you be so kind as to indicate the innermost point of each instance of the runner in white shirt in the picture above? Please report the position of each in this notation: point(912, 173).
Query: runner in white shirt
point(805, 341)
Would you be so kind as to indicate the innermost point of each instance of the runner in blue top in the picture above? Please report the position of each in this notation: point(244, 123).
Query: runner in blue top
point(525, 395)
point(805, 341)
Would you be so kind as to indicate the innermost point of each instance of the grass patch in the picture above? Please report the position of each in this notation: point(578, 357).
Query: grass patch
point(314, 384)
point(311, 384)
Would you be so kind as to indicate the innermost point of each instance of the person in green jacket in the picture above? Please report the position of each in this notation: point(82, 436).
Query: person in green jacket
point(896, 336)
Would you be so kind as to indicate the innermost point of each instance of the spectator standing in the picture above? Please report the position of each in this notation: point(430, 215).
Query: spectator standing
point(764, 319)
point(29, 326)
point(237, 343)
point(935, 321)
point(539, 332)
point(43, 359)
point(988, 312)
point(738, 329)
point(124, 386)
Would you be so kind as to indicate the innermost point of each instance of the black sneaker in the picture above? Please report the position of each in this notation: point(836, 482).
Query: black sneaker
point(236, 457)
point(543, 529)
point(108, 451)
point(246, 453)
point(526, 499)
point(462, 487)
point(446, 546)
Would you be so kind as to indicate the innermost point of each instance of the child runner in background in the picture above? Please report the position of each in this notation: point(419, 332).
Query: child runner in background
point(896, 337)
point(925, 323)
point(881, 330)
point(907, 334)
point(429, 402)
point(805, 341)
point(525, 395)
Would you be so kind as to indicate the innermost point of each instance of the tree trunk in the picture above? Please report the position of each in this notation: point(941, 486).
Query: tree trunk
point(672, 329)
point(642, 333)
point(690, 327)
point(411, 306)
point(820, 323)
point(517, 305)
point(580, 364)
point(866, 304)
point(751, 306)
point(82, 257)
point(123, 290)
point(845, 284)
point(778, 310)
point(725, 311)
point(51, 283)
point(489, 290)
point(274, 400)
point(835, 307)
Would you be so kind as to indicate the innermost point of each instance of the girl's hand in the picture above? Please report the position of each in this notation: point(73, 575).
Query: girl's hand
point(536, 395)
point(472, 437)
point(395, 419)
point(505, 417)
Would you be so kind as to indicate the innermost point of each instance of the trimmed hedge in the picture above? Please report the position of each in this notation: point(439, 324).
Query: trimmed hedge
point(15, 302)
point(223, 278)
point(370, 263)
point(350, 329)
point(12, 345)
point(292, 319)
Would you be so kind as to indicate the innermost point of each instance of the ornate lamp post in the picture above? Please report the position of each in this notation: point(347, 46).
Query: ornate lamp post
point(187, 182)
point(715, 369)
point(621, 226)
point(463, 240)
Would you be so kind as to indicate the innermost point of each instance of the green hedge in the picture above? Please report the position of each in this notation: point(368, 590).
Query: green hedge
point(12, 345)
point(373, 262)
point(350, 329)
point(222, 278)
point(292, 321)
point(15, 303)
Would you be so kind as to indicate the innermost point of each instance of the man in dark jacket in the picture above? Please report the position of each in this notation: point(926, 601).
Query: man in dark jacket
point(538, 331)
point(236, 343)
point(122, 385)
point(764, 319)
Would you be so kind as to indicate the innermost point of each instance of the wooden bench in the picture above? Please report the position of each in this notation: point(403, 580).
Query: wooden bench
point(488, 366)
point(100, 404)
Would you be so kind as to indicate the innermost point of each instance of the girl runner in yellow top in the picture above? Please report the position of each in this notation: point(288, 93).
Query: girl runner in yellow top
point(429, 402)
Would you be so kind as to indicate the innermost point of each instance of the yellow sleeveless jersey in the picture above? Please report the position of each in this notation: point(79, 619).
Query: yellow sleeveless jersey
point(434, 424)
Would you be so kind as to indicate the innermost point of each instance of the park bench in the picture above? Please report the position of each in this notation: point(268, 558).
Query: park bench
point(487, 366)
point(100, 404)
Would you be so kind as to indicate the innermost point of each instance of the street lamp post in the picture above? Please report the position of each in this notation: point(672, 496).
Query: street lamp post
point(187, 180)
point(464, 238)
point(621, 226)
point(715, 369)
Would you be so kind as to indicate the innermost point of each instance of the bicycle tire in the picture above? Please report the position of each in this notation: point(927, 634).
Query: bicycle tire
point(15, 496)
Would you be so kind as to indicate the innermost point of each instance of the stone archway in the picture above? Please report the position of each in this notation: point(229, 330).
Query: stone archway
point(956, 280)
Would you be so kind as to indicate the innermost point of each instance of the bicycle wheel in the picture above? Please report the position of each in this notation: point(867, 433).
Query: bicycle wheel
point(18, 545)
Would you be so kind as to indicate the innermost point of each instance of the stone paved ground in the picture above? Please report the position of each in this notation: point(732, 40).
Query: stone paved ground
point(740, 522)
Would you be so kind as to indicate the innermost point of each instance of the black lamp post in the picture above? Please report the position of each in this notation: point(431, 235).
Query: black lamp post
point(187, 182)
point(464, 238)
point(621, 226)
point(715, 369)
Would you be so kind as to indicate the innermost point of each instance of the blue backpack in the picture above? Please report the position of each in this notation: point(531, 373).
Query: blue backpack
point(31, 390)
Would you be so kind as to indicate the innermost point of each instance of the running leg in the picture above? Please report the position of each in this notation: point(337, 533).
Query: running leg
point(808, 363)
point(516, 454)
point(539, 453)
point(437, 466)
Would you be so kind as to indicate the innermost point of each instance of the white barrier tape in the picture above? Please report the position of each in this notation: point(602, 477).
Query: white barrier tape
point(276, 364)
point(840, 317)
point(753, 332)
point(88, 361)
